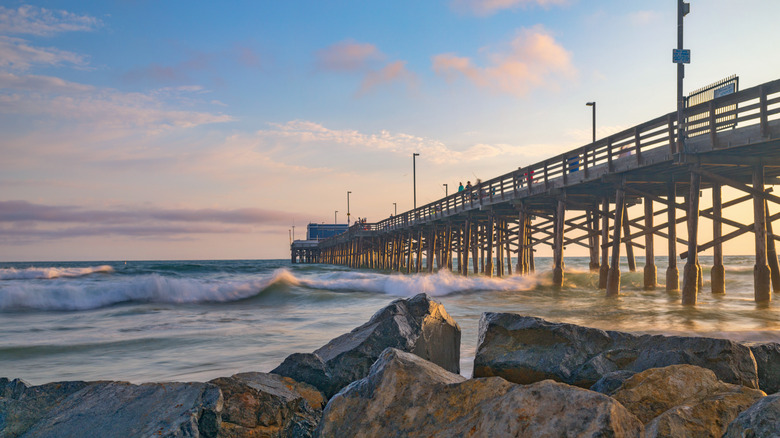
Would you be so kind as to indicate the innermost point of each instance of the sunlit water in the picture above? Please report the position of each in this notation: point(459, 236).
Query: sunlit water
point(185, 321)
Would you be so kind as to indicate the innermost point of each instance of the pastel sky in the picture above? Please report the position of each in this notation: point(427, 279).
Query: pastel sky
point(137, 129)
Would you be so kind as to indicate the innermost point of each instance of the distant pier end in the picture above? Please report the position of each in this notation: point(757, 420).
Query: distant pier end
point(307, 251)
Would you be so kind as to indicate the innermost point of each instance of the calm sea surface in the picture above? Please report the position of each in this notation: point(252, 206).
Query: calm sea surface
point(197, 320)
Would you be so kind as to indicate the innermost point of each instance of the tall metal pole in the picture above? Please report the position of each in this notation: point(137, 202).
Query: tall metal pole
point(395, 209)
point(293, 232)
point(414, 178)
point(682, 10)
point(446, 193)
point(593, 104)
point(348, 208)
point(336, 217)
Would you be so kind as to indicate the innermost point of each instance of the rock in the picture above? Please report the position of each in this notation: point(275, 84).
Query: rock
point(404, 395)
point(760, 420)
point(22, 405)
point(684, 400)
point(114, 409)
point(268, 405)
point(418, 325)
point(768, 364)
point(611, 382)
point(525, 349)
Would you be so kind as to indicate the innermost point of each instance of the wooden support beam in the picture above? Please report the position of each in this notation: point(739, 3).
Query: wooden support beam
point(558, 246)
point(593, 239)
point(650, 271)
point(761, 274)
point(613, 277)
point(718, 272)
point(628, 242)
point(604, 269)
point(771, 252)
point(691, 270)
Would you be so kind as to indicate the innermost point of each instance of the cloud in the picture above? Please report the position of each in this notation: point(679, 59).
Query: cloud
point(17, 54)
point(348, 56)
point(642, 18)
point(392, 72)
point(21, 221)
point(33, 20)
point(314, 136)
point(53, 97)
point(533, 59)
point(488, 7)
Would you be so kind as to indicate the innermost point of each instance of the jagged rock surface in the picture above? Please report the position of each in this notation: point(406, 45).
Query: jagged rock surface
point(111, 409)
point(405, 395)
point(418, 325)
point(525, 349)
point(768, 363)
point(268, 405)
point(684, 400)
point(762, 419)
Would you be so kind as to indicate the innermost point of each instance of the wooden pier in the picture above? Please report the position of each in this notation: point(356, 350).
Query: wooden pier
point(581, 198)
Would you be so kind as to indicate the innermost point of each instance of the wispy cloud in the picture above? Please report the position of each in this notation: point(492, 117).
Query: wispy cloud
point(489, 7)
point(315, 136)
point(366, 59)
point(21, 221)
point(533, 59)
point(642, 18)
point(348, 56)
point(33, 20)
point(53, 97)
point(17, 54)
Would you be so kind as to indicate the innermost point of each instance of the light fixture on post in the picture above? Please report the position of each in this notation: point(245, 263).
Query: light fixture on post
point(414, 178)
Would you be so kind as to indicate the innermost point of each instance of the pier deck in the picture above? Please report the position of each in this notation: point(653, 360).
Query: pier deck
point(580, 198)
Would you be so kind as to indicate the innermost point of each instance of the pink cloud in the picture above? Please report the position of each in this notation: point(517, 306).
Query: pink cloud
point(32, 20)
point(348, 56)
point(18, 54)
point(392, 72)
point(489, 7)
point(533, 59)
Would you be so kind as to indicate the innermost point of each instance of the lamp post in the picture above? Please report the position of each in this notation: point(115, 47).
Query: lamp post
point(414, 178)
point(593, 104)
point(446, 193)
point(336, 217)
point(682, 10)
point(395, 209)
point(348, 207)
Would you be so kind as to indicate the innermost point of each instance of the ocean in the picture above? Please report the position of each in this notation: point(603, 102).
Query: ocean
point(144, 321)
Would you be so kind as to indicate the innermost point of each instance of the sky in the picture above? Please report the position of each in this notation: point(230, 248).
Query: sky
point(137, 129)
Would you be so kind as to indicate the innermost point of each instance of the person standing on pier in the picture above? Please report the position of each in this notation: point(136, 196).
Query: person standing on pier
point(460, 186)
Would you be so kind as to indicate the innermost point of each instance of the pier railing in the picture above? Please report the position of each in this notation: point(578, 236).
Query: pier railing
point(635, 147)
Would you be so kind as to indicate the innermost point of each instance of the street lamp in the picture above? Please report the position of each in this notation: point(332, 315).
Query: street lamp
point(593, 104)
point(414, 178)
point(446, 193)
point(348, 207)
point(395, 209)
point(336, 217)
point(682, 10)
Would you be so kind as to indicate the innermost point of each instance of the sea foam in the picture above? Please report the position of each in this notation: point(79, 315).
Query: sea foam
point(51, 272)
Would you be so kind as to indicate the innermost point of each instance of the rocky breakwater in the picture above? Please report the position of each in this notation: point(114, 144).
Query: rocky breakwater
point(397, 375)
point(525, 349)
point(243, 405)
point(418, 325)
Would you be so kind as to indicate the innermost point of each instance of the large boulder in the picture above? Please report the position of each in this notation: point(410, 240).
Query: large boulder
point(23, 405)
point(760, 420)
point(404, 395)
point(526, 349)
point(111, 409)
point(684, 400)
point(768, 364)
point(268, 405)
point(417, 325)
